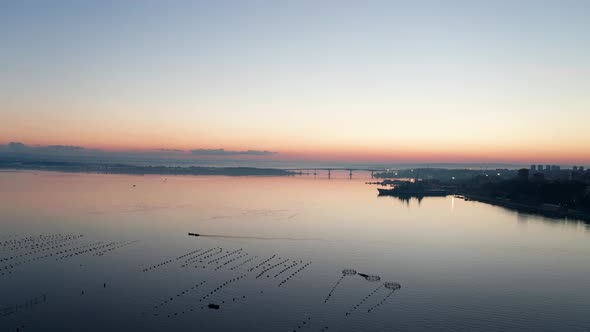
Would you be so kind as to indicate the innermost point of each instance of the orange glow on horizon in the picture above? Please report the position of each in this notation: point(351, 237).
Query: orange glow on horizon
point(382, 154)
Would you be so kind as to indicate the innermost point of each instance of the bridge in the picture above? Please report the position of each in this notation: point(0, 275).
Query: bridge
point(314, 170)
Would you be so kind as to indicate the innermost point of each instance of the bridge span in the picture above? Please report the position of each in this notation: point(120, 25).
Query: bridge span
point(314, 170)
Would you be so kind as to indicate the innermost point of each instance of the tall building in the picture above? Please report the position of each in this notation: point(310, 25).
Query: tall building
point(533, 168)
point(538, 177)
point(523, 174)
point(547, 167)
point(575, 169)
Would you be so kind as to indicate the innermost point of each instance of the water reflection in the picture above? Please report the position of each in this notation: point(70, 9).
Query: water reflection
point(279, 254)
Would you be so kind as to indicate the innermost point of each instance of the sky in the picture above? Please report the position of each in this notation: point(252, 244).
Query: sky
point(359, 81)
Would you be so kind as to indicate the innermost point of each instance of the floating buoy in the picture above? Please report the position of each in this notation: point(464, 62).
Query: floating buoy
point(345, 273)
point(393, 286)
point(369, 277)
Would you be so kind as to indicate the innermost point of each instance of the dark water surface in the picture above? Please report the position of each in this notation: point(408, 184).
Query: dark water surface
point(85, 252)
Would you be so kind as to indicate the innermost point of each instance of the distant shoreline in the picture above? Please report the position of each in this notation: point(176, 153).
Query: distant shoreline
point(72, 167)
point(550, 211)
point(533, 209)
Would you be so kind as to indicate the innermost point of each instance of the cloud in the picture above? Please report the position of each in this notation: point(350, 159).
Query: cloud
point(64, 148)
point(20, 148)
point(170, 150)
point(18, 151)
point(223, 152)
point(23, 146)
point(15, 146)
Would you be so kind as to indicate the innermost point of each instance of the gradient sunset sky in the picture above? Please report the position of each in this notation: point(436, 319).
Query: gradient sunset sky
point(429, 81)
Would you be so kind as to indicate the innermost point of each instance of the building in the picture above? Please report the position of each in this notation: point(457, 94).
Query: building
point(538, 177)
point(548, 168)
point(533, 168)
point(523, 174)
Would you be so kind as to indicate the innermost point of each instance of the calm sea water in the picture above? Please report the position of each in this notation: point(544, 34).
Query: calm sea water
point(86, 252)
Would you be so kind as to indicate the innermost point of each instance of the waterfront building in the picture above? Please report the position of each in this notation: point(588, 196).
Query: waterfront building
point(538, 177)
point(523, 174)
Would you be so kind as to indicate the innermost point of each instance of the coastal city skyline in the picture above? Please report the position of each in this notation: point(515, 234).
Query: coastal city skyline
point(459, 82)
